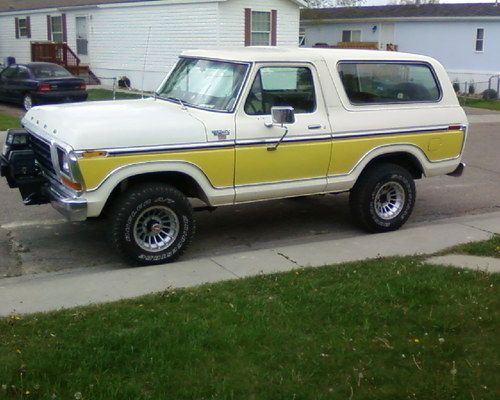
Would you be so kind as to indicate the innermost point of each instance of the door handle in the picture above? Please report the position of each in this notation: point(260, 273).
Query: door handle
point(311, 127)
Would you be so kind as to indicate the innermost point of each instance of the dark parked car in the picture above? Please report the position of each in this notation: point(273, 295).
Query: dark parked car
point(40, 83)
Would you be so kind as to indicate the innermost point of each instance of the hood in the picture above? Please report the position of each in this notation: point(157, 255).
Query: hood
point(115, 124)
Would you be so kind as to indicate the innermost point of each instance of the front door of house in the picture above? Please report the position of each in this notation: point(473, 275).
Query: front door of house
point(82, 42)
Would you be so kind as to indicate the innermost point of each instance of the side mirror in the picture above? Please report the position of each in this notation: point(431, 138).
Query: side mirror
point(283, 115)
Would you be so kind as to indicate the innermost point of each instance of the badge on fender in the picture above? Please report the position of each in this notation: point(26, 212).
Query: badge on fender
point(221, 134)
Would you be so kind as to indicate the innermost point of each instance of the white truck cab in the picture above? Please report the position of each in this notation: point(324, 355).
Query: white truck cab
point(244, 125)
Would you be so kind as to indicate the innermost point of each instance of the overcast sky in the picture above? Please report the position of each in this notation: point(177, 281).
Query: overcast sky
point(382, 2)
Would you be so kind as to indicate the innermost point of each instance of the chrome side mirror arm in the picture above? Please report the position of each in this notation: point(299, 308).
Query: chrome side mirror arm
point(274, 147)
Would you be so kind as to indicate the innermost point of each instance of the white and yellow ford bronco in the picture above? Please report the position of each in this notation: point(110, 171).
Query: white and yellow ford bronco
point(245, 125)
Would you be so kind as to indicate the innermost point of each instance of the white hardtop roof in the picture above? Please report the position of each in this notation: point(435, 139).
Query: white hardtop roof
point(300, 54)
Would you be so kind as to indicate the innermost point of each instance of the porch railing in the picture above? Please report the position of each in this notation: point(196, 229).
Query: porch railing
point(357, 45)
point(57, 53)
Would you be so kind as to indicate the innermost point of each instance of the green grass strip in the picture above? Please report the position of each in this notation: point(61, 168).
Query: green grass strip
point(480, 103)
point(104, 94)
point(486, 248)
point(8, 121)
point(381, 329)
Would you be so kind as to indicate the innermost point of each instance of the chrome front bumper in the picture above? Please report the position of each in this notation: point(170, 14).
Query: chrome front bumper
point(72, 207)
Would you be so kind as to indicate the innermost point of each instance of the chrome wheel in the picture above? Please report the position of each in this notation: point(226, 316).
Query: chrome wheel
point(156, 228)
point(389, 200)
point(27, 102)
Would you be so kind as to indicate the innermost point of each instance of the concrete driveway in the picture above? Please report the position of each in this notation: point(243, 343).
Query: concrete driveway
point(35, 239)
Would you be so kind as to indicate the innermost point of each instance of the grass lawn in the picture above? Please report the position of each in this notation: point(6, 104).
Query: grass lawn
point(8, 121)
point(480, 103)
point(381, 329)
point(103, 94)
point(487, 248)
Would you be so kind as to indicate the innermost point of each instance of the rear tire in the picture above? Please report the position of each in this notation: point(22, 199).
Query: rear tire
point(383, 198)
point(28, 102)
point(151, 223)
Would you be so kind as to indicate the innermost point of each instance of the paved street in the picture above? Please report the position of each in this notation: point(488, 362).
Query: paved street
point(36, 240)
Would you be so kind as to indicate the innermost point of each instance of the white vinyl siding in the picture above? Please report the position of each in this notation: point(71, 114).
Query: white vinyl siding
point(117, 34)
point(20, 49)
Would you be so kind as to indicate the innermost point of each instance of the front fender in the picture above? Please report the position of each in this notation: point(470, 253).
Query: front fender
point(97, 197)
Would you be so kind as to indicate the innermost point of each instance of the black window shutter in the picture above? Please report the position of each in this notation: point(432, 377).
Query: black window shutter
point(49, 28)
point(248, 26)
point(16, 25)
point(64, 28)
point(28, 26)
point(274, 27)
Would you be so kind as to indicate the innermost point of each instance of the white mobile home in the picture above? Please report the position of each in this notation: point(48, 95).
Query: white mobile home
point(115, 38)
point(465, 38)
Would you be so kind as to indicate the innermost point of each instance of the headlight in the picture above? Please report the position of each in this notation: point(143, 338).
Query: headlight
point(63, 158)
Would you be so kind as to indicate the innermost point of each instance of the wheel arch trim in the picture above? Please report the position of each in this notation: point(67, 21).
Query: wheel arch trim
point(345, 181)
point(99, 195)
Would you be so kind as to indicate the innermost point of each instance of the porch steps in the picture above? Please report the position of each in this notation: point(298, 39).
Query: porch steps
point(84, 71)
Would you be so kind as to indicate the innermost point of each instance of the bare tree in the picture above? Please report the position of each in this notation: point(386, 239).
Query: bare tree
point(333, 3)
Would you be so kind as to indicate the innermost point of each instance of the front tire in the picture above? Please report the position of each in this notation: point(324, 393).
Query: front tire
point(383, 198)
point(152, 223)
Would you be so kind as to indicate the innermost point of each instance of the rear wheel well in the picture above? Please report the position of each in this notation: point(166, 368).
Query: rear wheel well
point(405, 160)
point(179, 180)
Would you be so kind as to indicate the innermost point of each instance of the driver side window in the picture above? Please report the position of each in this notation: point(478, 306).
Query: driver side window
point(281, 86)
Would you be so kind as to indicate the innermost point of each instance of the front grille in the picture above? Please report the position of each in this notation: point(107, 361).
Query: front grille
point(42, 154)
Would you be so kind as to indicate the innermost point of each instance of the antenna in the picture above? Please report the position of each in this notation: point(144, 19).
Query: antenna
point(145, 60)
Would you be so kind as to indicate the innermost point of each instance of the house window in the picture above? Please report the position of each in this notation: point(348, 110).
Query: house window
point(57, 29)
point(351, 36)
point(22, 27)
point(302, 37)
point(261, 28)
point(480, 39)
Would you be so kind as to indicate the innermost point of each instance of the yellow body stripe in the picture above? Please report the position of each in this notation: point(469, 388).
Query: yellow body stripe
point(291, 161)
point(346, 153)
point(216, 164)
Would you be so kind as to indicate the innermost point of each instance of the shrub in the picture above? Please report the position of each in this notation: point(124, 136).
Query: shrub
point(490, 94)
point(472, 89)
point(456, 86)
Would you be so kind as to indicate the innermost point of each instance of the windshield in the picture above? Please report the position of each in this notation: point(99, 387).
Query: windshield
point(49, 71)
point(212, 85)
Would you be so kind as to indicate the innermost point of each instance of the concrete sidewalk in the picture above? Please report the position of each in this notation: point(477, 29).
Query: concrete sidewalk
point(47, 292)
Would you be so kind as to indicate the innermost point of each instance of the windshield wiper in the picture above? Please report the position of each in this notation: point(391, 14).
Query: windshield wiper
point(171, 98)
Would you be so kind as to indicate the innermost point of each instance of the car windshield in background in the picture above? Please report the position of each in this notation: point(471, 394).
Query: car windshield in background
point(42, 71)
point(382, 82)
point(211, 85)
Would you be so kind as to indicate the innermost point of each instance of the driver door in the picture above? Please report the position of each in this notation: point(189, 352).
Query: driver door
point(297, 165)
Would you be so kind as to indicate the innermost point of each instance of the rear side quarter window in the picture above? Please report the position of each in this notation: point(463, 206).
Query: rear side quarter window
point(389, 82)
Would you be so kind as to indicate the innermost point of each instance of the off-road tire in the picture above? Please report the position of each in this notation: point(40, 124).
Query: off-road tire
point(130, 205)
point(363, 197)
